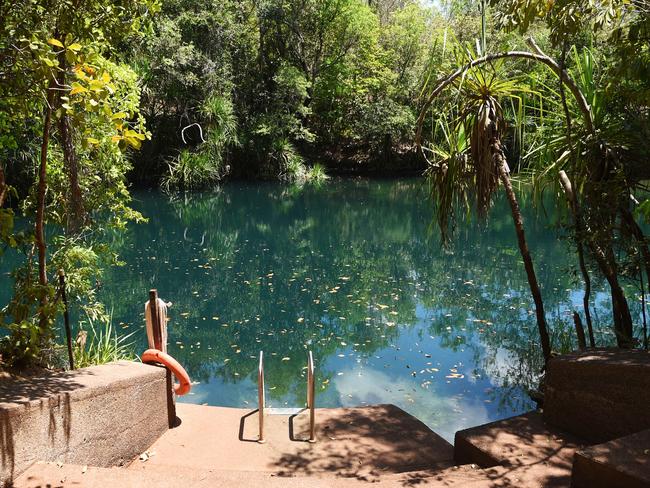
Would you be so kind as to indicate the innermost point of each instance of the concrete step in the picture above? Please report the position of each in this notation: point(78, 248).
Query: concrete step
point(51, 475)
point(365, 442)
point(621, 463)
point(524, 447)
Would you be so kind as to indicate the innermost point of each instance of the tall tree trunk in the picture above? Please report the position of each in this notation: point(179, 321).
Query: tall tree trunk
point(637, 232)
point(620, 308)
point(39, 230)
point(577, 221)
point(3, 188)
point(76, 214)
point(504, 174)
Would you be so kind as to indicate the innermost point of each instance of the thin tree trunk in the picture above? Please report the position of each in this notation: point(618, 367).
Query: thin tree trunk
point(636, 231)
point(3, 188)
point(504, 174)
point(76, 214)
point(620, 307)
point(575, 209)
point(40, 208)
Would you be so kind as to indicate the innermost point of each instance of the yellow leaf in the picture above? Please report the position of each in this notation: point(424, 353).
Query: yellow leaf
point(92, 140)
point(136, 144)
point(55, 42)
point(118, 115)
point(77, 88)
point(116, 138)
point(74, 47)
point(96, 85)
point(106, 77)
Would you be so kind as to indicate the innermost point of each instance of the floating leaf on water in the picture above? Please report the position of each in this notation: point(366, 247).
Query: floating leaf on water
point(286, 358)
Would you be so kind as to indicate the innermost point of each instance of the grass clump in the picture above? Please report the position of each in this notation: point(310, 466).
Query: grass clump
point(101, 344)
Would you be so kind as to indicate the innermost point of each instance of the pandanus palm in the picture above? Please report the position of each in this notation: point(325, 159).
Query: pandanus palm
point(478, 167)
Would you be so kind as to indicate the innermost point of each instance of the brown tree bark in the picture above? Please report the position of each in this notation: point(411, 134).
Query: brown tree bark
point(39, 230)
point(76, 213)
point(620, 308)
point(504, 174)
point(575, 210)
point(3, 187)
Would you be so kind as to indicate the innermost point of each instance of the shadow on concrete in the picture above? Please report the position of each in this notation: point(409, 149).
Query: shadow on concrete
point(48, 391)
point(292, 436)
point(364, 443)
point(242, 424)
point(29, 389)
point(520, 451)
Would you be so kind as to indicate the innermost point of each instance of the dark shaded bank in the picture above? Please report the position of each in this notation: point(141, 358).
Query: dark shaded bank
point(150, 165)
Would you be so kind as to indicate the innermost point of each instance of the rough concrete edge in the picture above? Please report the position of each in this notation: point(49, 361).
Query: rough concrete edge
point(156, 374)
point(83, 391)
point(587, 472)
point(467, 453)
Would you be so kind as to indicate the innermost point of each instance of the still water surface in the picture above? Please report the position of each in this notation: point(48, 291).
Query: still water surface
point(354, 272)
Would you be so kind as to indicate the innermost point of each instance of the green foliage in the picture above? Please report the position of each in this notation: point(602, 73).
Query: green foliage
point(320, 75)
point(204, 166)
point(102, 345)
point(58, 59)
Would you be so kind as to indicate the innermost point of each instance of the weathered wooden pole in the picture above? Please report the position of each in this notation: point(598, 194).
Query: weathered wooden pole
point(156, 326)
point(158, 343)
point(66, 317)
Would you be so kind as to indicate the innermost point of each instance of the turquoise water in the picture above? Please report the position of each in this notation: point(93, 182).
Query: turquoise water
point(354, 272)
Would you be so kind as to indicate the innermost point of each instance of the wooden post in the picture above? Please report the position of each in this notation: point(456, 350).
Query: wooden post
point(156, 326)
point(157, 330)
point(66, 318)
point(580, 331)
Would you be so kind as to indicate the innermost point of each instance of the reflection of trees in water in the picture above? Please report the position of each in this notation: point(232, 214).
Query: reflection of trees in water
point(324, 269)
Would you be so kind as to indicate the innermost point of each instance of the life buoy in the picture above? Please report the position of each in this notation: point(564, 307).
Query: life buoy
point(155, 356)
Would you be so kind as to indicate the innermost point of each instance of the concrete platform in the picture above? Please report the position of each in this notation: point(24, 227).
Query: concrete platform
point(621, 463)
point(361, 443)
point(529, 452)
point(600, 394)
point(102, 415)
point(49, 475)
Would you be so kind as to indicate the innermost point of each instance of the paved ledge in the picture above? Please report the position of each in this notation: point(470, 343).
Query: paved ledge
point(599, 395)
point(621, 463)
point(43, 475)
point(102, 415)
point(526, 451)
point(361, 443)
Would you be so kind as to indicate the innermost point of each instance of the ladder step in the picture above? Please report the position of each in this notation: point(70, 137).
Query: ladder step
point(284, 411)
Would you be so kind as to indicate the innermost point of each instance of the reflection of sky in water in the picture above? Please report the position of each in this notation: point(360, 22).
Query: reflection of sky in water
point(353, 271)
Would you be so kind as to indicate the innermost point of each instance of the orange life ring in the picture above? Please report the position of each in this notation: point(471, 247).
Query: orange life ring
point(155, 356)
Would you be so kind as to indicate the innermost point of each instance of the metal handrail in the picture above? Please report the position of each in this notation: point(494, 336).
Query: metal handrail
point(260, 396)
point(311, 396)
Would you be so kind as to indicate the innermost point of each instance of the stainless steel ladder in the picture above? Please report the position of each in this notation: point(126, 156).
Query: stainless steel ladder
point(311, 397)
